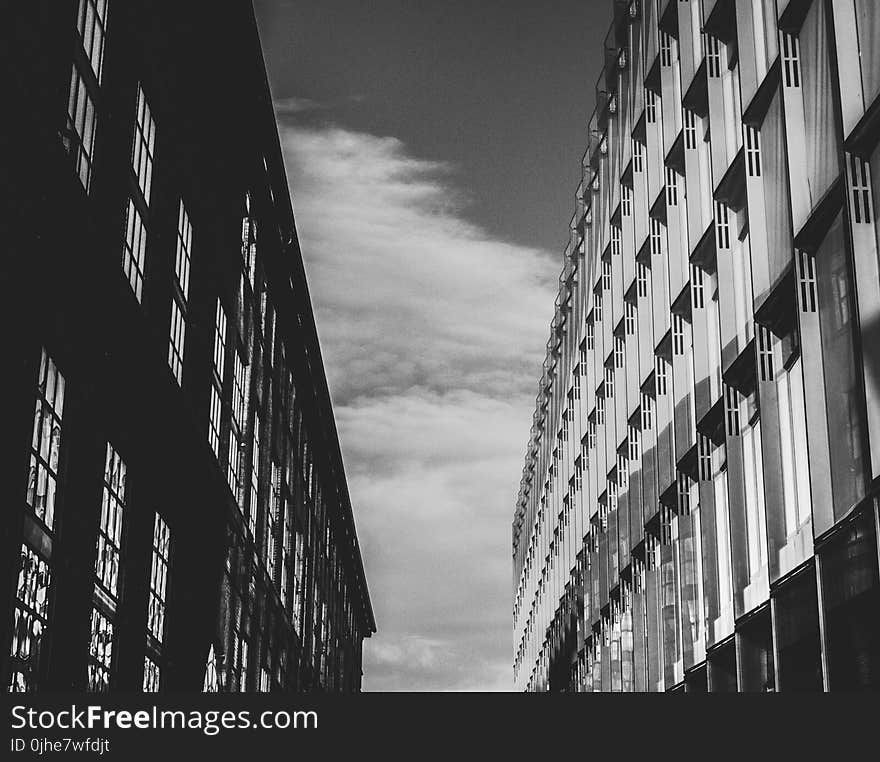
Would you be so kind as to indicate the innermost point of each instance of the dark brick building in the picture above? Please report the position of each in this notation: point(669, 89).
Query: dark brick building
point(176, 511)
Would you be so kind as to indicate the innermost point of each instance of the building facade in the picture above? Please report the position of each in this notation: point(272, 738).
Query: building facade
point(177, 515)
point(699, 504)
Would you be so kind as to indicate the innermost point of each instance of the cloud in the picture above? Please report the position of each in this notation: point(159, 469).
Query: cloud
point(293, 105)
point(432, 332)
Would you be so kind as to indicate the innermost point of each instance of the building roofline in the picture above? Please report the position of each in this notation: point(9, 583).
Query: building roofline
point(310, 333)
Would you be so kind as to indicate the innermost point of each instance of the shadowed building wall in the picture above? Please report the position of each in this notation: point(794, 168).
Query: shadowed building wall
point(177, 515)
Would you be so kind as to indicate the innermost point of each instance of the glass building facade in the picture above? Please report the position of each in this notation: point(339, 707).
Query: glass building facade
point(177, 515)
point(699, 505)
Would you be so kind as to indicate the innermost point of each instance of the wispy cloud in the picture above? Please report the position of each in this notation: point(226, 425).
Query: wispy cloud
point(433, 334)
point(293, 105)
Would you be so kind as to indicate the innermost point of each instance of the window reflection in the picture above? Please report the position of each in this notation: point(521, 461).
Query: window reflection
point(30, 617)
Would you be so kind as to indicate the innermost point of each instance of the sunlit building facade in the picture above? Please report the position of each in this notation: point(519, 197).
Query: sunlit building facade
point(698, 508)
point(176, 512)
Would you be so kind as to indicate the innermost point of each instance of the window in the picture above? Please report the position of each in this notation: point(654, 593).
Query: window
point(180, 293)
point(813, 54)
point(791, 75)
point(273, 512)
point(107, 568)
point(143, 145)
point(731, 409)
point(152, 676)
point(642, 280)
point(609, 382)
point(286, 550)
point(651, 106)
point(690, 129)
point(647, 410)
point(85, 79)
point(299, 580)
point(110, 532)
point(217, 378)
point(156, 606)
point(704, 457)
point(860, 189)
point(212, 678)
point(713, 57)
point(249, 246)
point(666, 516)
point(656, 237)
point(638, 576)
point(239, 664)
point(793, 438)
point(219, 341)
point(159, 579)
point(652, 551)
point(844, 402)
point(634, 439)
point(34, 585)
point(134, 254)
point(660, 375)
point(684, 494)
point(46, 442)
point(638, 156)
point(630, 319)
point(91, 23)
point(722, 226)
point(253, 505)
point(764, 346)
point(31, 619)
point(214, 424)
point(665, 49)
point(806, 267)
point(625, 200)
point(264, 316)
point(80, 130)
point(100, 652)
point(236, 430)
point(753, 151)
point(619, 351)
point(678, 331)
point(671, 187)
point(753, 473)
point(697, 295)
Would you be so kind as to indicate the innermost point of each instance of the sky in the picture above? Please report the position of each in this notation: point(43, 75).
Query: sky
point(433, 151)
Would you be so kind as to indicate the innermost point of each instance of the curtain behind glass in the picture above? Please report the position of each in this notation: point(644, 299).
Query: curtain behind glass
point(822, 159)
point(776, 194)
point(843, 397)
point(875, 188)
point(868, 23)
